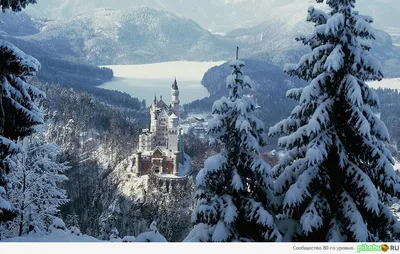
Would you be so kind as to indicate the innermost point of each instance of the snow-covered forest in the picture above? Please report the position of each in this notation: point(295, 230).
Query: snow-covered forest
point(298, 140)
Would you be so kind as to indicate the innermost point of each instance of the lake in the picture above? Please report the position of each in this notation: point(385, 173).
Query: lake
point(143, 81)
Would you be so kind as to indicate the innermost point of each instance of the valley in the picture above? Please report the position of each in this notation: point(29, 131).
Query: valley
point(144, 81)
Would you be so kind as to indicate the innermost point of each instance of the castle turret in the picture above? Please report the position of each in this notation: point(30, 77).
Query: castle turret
point(153, 115)
point(138, 162)
point(173, 121)
point(176, 162)
point(175, 103)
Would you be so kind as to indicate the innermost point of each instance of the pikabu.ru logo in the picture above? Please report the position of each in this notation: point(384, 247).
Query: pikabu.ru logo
point(377, 247)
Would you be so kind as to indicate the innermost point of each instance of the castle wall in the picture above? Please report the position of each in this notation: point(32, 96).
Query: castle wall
point(173, 138)
point(168, 167)
point(145, 166)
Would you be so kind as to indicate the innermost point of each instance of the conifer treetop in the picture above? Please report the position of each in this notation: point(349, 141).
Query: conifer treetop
point(337, 174)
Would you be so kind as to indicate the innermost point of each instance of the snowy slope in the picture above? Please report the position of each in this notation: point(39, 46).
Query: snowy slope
point(279, 28)
point(274, 38)
point(137, 35)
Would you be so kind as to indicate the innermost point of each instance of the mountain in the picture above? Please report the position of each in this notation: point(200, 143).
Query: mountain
point(138, 35)
point(274, 38)
point(235, 13)
point(238, 13)
point(20, 24)
point(269, 90)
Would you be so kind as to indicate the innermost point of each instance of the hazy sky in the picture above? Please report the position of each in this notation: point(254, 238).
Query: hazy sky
point(216, 15)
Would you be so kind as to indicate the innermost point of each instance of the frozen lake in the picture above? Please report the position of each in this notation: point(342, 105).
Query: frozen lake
point(393, 83)
point(143, 81)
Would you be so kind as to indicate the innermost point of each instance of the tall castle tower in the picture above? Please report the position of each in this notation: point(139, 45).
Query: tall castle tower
point(175, 99)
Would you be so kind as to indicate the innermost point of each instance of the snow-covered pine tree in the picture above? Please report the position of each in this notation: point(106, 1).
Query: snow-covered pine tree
point(114, 236)
point(234, 189)
point(15, 5)
point(151, 236)
point(34, 185)
point(337, 173)
point(18, 111)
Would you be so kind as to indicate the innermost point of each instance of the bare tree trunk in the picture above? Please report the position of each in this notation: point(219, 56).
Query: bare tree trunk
point(2, 114)
point(21, 222)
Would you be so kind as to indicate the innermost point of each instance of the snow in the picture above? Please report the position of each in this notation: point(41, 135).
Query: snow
point(185, 169)
point(237, 64)
point(334, 24)
point(4, 204)
point(397, 165)
point(55, 236)
point(335, 60)
point(28, 61)
point(211, 165)
point(220, 233)
point(237, 182)
point(353, 90)
point(75, 231)
point(152, 236)
point(57, 224)
point(393, 83)
point(311, 220)
point(258, 212)
point(357, 225)
point(153, 226)
point(129, 239)
point(200, 233)
point(173, 116)
point(142, 81)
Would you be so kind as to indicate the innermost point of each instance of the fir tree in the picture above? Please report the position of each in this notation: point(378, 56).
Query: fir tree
point(34, 186)
point(151, 236)
point(234, 195)
point(18, 111)
point(337, 174)
point(15, 5)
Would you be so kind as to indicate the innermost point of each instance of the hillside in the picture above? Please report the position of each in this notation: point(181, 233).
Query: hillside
point(137, 35)
point(274, 38)
point(242, 13)
point(206, 13)
point(271, 85)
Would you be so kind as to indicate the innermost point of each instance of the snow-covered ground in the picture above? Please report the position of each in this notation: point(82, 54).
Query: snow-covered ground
point(143, 81)
point(397, 166)
point(393, 83)
point(56, 236)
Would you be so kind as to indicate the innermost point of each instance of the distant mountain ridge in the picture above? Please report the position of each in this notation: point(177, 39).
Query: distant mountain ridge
point(216, 15)
point(136, 35)
point(274, 38)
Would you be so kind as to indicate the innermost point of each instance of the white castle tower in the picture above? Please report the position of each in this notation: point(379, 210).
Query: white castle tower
point(175, 103)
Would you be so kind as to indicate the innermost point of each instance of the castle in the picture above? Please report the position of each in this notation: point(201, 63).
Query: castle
point(160, 148)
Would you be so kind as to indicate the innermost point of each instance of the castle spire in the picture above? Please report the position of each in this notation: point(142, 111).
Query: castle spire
point(175, 85)
point(155, 98)
point(175, 98)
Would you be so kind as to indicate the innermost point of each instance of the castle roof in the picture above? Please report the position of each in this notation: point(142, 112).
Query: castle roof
point(162, 104)
point(173, 116)
point(175, 85)
point(163, 113)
